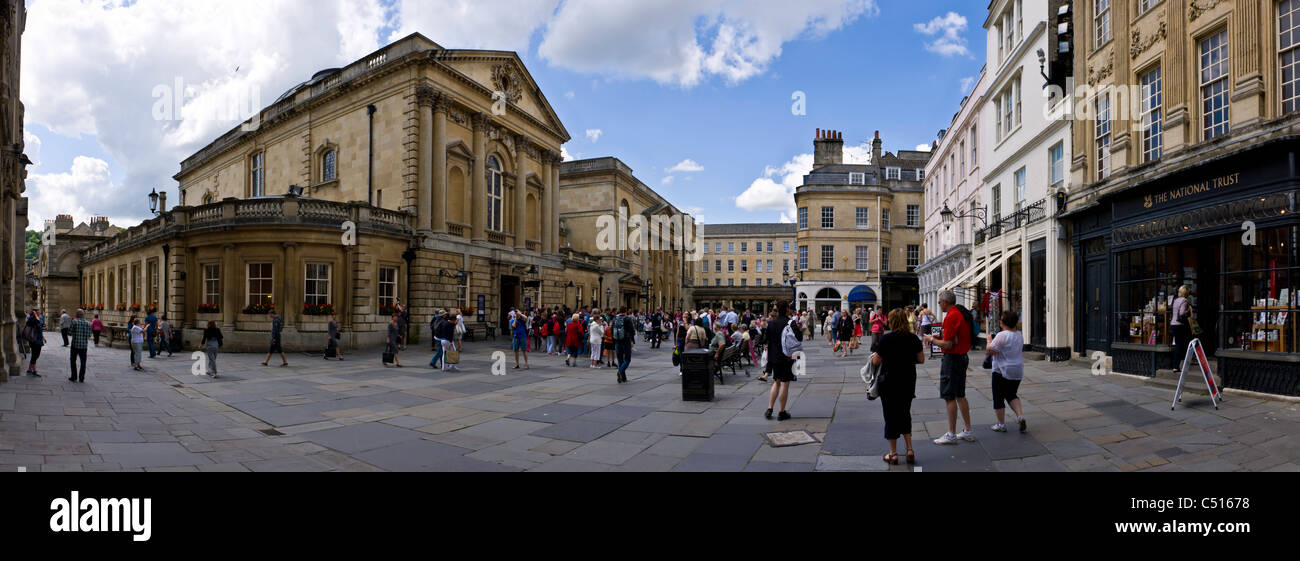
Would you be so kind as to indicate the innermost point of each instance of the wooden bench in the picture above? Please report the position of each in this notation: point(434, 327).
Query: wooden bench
point(731, 358)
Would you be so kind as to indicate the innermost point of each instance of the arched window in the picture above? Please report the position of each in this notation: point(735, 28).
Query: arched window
point(494, 192)
point(328, 169)
point(208, 199)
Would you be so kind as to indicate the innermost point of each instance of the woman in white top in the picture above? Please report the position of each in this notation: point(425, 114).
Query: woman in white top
point(137, 344)
point(595, 335)
point(1180, 324)
point(1008, 370)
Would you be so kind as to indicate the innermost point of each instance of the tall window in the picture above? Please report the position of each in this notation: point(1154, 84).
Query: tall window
point(212, 284)
point(153, 284)
point(731, 266)
point(769, 266)
point(913, 258)
point(121, 286)
point(803, 218)
point(1214, 84)
point(744, 265)
point(494, 193)
point(744, 247)
point(1151, 101)
point(1288, 44)
point(884, 219)
point(803, 258)
point(914, 215)
point(257, 175)
point(997, 204)
point(862, 216)
point(1101, 22)
point(704, 266)
point(328, 166)
point(261, 283)
point(884, 259)
point(1056, 160)
point(785, 247)
point(828, 217)
point(388, 287)
point(861, 257)
point(137, 283)
point(961, 172)
point(717, 247)
point(717, 266)
point(785, 265)
point(1102, 129)
point(1145, 5)
point(317, 289)
point(731, 247)
point(828, 257)
point(1020, 189)
point(769, 247)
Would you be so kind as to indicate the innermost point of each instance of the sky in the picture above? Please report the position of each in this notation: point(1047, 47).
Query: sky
point(698, 97)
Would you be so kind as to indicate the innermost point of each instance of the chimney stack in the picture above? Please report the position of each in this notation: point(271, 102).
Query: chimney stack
point(828, 148)
point(876, 150)
point(63, 223)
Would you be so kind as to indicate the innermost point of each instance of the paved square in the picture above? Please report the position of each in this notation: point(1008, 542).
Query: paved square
point(357, 416)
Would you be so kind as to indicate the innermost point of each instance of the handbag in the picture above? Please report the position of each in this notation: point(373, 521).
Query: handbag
point(389, 358)
point(451, 356)
point(871, 377)
point(1195, 325)
point(677, 359)
point(988, 362)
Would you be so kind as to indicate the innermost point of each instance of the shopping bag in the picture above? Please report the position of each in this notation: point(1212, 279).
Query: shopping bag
point(452, 356)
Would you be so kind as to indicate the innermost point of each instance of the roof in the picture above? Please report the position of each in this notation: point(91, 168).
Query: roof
point(747, 229)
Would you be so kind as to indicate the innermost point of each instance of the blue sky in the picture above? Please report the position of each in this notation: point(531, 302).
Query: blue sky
point(865, 71)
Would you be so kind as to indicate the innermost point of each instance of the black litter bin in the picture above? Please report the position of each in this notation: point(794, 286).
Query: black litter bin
point(697, 375)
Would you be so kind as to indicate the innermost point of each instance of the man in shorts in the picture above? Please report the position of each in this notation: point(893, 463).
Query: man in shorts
point(277, 326)
point(952, 371)
point(519, 337)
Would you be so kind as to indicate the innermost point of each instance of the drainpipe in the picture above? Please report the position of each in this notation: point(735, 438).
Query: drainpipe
point(370, 179)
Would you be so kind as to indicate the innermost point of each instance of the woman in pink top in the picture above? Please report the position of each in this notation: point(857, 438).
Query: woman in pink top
point(877, 326)
point(96, 327)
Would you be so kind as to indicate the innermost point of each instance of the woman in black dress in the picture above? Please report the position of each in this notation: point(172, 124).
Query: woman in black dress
point(898, 354)
point(394, 340)
point(846, 329)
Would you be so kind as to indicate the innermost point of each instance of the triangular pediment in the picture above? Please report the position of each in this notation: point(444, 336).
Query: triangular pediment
point(503, 71)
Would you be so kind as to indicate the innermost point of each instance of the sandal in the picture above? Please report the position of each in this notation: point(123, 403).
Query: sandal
point(891, 459)
point(911, 457)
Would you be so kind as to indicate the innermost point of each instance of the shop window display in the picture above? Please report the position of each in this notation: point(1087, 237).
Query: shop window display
point(1260, 300)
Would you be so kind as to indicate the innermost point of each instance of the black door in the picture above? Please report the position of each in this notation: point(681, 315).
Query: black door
point(1098, 293)
point(509, 299)
point(1038, 293)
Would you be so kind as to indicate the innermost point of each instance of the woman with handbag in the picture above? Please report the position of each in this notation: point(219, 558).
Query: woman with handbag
point(897, 355)
point(34, 333)
point(332, 346)
point(1181, 325)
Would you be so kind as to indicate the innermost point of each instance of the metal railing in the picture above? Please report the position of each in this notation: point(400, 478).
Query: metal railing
point(1017, 220)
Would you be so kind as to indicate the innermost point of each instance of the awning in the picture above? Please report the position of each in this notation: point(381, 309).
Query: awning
point(1004, 259)
point(969, 273)
point(862, 294)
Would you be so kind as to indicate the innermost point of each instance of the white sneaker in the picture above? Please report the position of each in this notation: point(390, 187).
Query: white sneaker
point(948, 438)
point(966, 435)
point(999, 427)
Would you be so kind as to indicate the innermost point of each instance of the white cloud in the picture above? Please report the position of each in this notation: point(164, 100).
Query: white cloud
point(564, 154)
point(667, 180)
point(594, 135)
point(686, 166)
point(32, 147)
point(505, 25)
point(775, 189)
point(683, 42)
point(82, 191)
point(949, 28)
point(90, 68)
point(923, 147)
point(966, 84)
point(696, 212)
point(569, 95)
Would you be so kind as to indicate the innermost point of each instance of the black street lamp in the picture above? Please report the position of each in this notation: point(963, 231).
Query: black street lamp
point(153, 201)
point(948, 215)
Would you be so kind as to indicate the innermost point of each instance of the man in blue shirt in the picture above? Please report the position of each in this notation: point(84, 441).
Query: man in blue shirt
point(276, 326)
point(151, 331)
point(519, 337)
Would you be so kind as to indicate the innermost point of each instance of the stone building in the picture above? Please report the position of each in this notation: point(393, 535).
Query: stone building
point(13, 173)
point(745, 265)
point(644, 268)
point(952, 184)
point(1183, 174)
point(57, 266)
point(860, 230)
point(417, 174)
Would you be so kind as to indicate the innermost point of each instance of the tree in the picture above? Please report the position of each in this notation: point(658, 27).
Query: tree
point(33, 244)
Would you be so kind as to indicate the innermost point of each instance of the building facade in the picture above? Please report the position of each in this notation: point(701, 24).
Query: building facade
point(13, 173)
point(859, 227)
point(745, 266)
point(1020, 258)
point(57, 266)
point(1184, 170)
point(953, 181)
point(642, 269)
point(418, 174)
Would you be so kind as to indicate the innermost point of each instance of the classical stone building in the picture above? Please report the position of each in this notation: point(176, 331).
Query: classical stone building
point(13, 173)
point(1184, 174)
point(745, 265)
point(860, 227)
point(57, 266)
point(418, 173)
point(597, 198)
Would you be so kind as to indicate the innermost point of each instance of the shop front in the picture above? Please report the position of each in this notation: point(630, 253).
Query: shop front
point(1226, 230)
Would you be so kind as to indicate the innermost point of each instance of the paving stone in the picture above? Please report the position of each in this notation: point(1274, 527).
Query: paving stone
point(1067, 449)
point(605, 452)
point(851, 463)
point(359, 438)
point(411, 455)
point(759, 466)
point(148, 455)
point(577, 430)
point(553, 413)
point(697, 462)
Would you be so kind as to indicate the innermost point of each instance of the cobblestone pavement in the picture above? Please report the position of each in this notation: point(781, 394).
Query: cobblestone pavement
point(358, 416)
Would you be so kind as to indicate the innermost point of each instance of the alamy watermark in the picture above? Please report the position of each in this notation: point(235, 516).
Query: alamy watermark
point(620, 232)
point(219, 103)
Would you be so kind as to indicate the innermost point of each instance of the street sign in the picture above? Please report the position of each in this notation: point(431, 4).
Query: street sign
point(1195, 350)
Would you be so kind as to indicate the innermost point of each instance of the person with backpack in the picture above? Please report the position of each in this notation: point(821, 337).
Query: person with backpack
point(782, 344)
point(623, 330)
point(34, 334)
point(958, 332)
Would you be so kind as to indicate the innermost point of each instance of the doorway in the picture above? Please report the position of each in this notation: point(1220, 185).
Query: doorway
point(1037, 294)
point(1097, 288)
point(509, 300)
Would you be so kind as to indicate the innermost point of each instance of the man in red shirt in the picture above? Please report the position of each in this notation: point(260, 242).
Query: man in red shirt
point(952, 371)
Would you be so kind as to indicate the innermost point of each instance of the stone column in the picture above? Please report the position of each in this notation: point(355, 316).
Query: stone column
point(521, 192)
point(1176, 79)
point(350, 279)
point(175, 305)
point(291, 306)
point(555, 202)
point(440, 163)
point(1244, 44)
point(229, 282)
point(548, 189)
point(425, 97)
point(478, 200)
